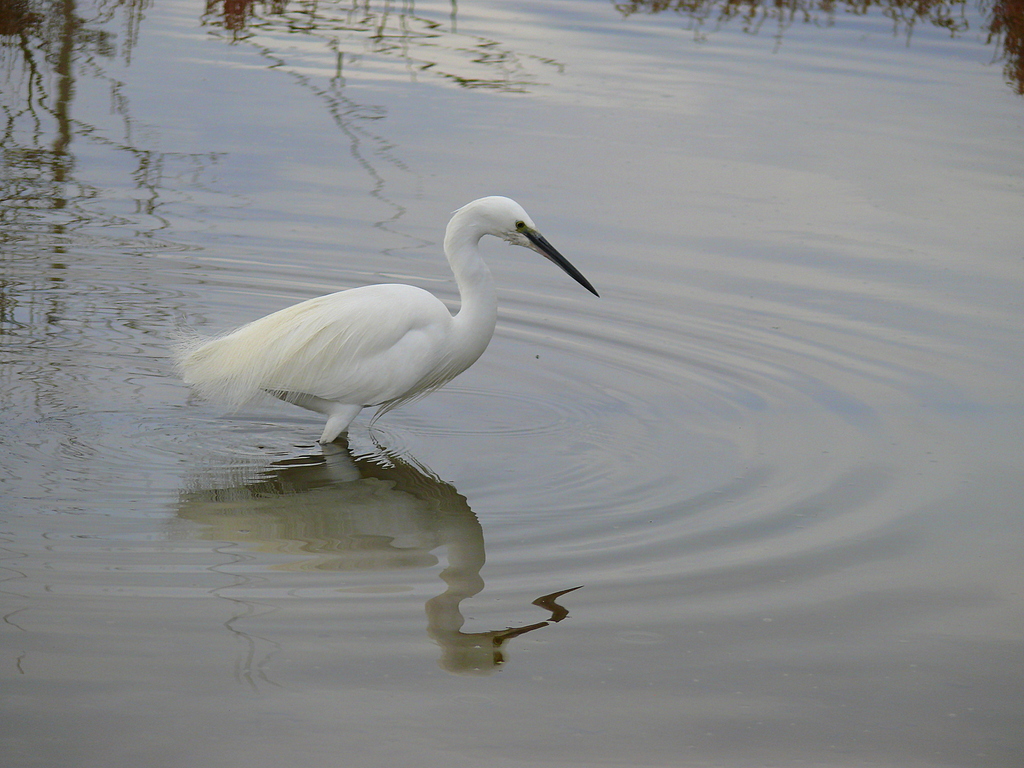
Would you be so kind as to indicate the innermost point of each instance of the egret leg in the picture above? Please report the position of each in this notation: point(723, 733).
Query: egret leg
point(339, 415)
point(338, 420)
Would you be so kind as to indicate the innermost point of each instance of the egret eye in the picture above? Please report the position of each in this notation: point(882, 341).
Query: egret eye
point(520, 225)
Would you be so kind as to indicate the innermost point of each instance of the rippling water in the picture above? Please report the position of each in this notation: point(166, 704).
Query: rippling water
point(757, 505)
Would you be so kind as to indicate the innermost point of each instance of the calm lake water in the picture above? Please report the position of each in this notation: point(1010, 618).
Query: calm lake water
point(758, 505)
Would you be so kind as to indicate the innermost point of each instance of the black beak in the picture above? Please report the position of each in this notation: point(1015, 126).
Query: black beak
point(547, 250)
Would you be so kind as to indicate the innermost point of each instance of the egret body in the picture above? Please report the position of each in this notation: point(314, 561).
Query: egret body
point(377, 345)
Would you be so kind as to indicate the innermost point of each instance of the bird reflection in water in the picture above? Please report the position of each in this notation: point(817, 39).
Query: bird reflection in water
point(359, 513)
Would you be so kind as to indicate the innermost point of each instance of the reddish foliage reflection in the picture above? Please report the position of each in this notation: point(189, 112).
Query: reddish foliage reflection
point(1006, 24)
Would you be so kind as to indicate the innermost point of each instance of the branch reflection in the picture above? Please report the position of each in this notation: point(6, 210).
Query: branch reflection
point(344, 512)
point(49, 51)
point(380, 35)
point(1003, 19)
point(82, 191)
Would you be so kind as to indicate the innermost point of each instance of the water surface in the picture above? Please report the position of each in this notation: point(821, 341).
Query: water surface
point(757, 505)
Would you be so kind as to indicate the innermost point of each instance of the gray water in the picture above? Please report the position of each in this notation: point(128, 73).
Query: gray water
point(777, 463)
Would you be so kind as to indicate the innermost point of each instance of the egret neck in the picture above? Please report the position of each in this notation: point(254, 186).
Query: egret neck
point(474, 323)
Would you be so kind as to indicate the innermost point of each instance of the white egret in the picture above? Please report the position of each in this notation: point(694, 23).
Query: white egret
point(377, 345)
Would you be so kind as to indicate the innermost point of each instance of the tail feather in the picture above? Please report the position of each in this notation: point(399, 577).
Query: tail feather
point(215, 376)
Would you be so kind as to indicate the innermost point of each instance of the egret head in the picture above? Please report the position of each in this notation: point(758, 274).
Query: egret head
point(505, 218)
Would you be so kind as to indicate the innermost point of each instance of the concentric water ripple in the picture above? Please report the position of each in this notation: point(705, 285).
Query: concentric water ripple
point(694, 435)
point(736, 429)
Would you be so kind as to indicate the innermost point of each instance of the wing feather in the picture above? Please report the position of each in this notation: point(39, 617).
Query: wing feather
point(363, 346)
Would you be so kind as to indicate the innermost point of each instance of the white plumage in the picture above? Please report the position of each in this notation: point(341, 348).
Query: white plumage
point(378, 345)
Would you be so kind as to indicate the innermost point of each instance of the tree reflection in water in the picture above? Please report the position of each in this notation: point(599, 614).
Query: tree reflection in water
point(46, 50)
point(1003, 24)
point(403, 32)
point(356, 31)
point(56, 27)
point(339, 512)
